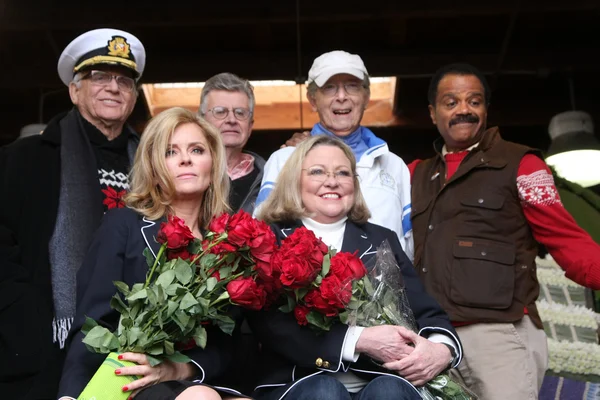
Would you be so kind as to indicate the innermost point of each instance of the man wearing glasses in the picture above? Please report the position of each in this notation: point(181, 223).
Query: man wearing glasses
point(227, 102)
point(56, 188)
point(339, 91)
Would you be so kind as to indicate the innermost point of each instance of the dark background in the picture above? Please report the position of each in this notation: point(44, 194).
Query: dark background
point(541, 57)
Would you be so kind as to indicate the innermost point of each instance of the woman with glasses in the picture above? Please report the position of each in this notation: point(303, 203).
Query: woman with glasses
point(339, 91)
point(318, 188)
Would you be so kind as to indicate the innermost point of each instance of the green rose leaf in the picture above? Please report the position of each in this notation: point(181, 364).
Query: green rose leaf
point(166, 278)
point(171, 308)
point(101, 340)
point(88, 325)
point(169, 347)
point(225, 272)
point(183, 271)
point(175, 289)
point(138, 295)
point(195, 246)
point(200, 336)
point(289, 307)
point(116, 303)
point(326, 265)
point(211, 283)
point(149, 257)
point(122, 287)
point(153, 360)
point(318, 320)
point(187, 301)
point(226, 324)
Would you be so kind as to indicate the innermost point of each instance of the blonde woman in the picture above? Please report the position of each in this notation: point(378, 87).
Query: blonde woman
point(318, 188)
point(180, 170)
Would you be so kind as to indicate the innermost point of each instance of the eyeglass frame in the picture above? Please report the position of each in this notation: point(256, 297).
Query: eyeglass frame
point(329, 174)
point(211, 110)
point(359, 84)
point(95, 72)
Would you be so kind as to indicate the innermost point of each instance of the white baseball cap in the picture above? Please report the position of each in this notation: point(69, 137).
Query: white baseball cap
point(336, 62)
point(102, 46)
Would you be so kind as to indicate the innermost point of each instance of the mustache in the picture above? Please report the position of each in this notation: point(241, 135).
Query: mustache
point(469, 118)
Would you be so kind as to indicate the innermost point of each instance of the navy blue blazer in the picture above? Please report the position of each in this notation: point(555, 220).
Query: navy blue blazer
point(292, 352)
point(116, 255)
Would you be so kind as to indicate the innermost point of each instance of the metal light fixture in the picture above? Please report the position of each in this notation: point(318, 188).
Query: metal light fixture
point(575, 151)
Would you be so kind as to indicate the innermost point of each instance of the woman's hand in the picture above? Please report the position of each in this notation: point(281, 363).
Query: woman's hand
point(425, 363)
point(384, 343)
point(165, 371)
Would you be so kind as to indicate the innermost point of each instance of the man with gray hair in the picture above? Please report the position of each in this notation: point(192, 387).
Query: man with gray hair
point(56, 188)
point(338, 89)
point(227, 102)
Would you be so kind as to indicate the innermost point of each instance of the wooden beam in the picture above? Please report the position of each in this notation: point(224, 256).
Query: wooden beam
point(258, 66)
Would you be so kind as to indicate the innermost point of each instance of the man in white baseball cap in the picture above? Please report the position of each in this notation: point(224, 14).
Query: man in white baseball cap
point(60, 184)
point(338, 90)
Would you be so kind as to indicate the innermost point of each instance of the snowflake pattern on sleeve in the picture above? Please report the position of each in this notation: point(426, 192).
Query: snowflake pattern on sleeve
point(537, 189)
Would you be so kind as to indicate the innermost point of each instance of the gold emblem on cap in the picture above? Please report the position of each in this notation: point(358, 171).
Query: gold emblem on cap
point(118, 47)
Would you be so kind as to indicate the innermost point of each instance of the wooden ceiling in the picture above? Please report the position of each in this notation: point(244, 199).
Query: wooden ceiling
point(539, 55)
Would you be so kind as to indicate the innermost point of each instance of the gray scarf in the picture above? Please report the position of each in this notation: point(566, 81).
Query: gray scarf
point(78, 217)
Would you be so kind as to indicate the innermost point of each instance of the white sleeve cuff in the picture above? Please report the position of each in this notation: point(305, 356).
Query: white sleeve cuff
point(441, 338)
point(349, 350)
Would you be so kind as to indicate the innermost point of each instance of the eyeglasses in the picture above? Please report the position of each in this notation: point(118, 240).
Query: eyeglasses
point(241, 114)
point(352, 88)
point(318, 174)
point(101, 78)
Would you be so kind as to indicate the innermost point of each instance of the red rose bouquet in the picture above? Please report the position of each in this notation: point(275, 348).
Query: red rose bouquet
point(316, 281)
point(190, 283)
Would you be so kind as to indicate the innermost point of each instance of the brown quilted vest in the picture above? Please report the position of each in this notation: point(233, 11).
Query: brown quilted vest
point(474, 250)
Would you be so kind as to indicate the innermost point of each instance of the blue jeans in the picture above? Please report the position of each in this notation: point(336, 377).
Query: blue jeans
point(325, 387)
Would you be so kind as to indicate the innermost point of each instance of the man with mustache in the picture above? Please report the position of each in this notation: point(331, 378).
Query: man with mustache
point(480, 206)
point(55, 189)
point(227, 102)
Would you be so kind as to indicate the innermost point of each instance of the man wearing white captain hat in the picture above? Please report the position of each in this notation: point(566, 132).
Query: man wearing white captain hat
point(55, 188)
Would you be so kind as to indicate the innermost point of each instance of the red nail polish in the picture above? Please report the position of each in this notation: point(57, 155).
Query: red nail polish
point(117, 372)
point(125, 388)
point(120, 356)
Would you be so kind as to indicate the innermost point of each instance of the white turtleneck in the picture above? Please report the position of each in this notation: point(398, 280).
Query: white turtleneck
point(333, 235)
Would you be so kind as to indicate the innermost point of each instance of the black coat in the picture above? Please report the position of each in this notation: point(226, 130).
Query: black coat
point(30, 170)
point(116, 254)
point(290, 351)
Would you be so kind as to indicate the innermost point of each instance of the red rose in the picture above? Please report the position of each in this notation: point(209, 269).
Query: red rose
point(246, 293)
point(182, 253)
point(304, 243)
point(315, 300)
point(241, 229)
point(335, 293)
point(186, 345)
point(296, 272)
point(219, 224)
point(174, 233)
point(347, 267)
point(300, 313)
point(263, 242)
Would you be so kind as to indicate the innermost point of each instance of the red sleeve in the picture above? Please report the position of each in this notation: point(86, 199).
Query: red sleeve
point(571, 247)
point(412, 166)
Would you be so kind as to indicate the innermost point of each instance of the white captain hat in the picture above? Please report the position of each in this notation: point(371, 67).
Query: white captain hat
point(102, 46)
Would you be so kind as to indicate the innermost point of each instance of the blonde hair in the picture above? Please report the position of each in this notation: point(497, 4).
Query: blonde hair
point(285, 201)
point(151, 187)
